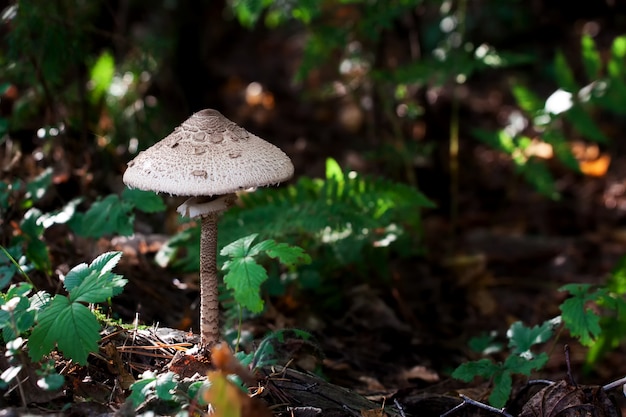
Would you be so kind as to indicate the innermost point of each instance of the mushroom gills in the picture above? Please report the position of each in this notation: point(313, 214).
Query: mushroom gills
point(202, 205)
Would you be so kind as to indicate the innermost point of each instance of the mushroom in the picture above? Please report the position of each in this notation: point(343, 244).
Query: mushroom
point(208, 158)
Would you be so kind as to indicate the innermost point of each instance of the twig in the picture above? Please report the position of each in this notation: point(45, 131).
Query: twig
point(614, 384)
point(568, 362)
point(467, 400)
point(399, 407)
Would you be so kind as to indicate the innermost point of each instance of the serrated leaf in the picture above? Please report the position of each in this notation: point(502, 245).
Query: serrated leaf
point(502, 384)
point(146, 201)
point(239, 248)
point(522, 338)
point(105, 262)
point(107, 216)
point(70, 326)
point(101, 265)
point(244, 278)
point(286, 254)
point(520, 365)
point(97, 287)
point(469, 370)
point(76, 276)
point(581, 321)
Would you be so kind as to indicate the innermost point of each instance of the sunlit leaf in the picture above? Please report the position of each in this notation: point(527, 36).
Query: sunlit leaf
point(223, 396)
point(591, 57)
point(70, 326)
point(101, 75)
point(527, 99)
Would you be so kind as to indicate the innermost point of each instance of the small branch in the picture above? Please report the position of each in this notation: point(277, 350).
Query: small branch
point(614, 384)
point(467, 400)
point(568, 362)
point(399, 407)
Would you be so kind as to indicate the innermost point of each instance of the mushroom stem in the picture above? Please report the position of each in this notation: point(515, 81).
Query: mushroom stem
point(209, 303)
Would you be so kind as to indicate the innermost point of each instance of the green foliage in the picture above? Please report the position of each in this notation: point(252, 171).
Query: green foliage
point(114, 214)
point(580, 319)
point(152, 385)
point(570, 105)
point(69, 324)
point(522, 338)
point(521, 360)
point(340, 221)
point(612, 322)
point(244, 275)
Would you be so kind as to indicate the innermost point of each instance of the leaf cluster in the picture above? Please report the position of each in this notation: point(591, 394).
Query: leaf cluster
point(340, 220)
point(521, 360)
point(571, 105)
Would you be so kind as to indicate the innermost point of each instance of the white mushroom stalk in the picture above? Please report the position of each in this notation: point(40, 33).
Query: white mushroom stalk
point(208, 158)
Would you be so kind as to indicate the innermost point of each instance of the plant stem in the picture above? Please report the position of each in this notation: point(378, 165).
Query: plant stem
point(209, 302)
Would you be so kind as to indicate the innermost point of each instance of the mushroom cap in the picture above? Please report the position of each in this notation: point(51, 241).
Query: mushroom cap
point(208, 155)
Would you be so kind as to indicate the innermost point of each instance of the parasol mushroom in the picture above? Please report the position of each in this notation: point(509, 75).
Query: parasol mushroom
point(208, 158)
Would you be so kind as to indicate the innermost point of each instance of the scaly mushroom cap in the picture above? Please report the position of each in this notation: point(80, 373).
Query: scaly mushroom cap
point(208, 155)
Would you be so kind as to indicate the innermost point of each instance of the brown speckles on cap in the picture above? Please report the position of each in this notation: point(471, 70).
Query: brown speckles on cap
point(208, 155)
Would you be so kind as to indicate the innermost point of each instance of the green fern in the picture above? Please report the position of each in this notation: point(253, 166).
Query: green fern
point(341, 205)
point(343, 220)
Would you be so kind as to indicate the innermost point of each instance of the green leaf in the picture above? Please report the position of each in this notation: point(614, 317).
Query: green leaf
point(102, 74)
point(105, 262)
point(287, 254)
point(522, 338)
point(537, 173)
point(469, 370)
point(485, 344)
point(38, 187)
point(95, 283)
point(617, 280)
point(591, 57)
point(581, 321)
point(583, 123)
point(520, 365)
point(564, 74)
point(146, 201)
point(98, 287)
point(71, 326)
point(527, 100)
point(502, 384)
point(107, 216)
point(245, 277)
point(51, 382)
point(248, 11)
point(615, 67)
point(239, 248)
point(165, 385)
point(141, 389)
